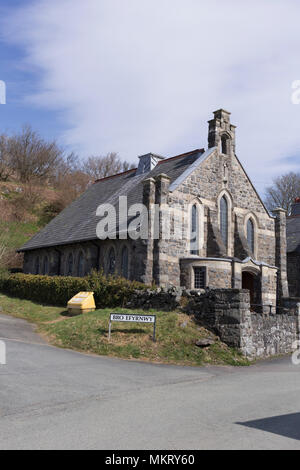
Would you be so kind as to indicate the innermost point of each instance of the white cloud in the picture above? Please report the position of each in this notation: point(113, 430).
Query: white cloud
point(135, 76)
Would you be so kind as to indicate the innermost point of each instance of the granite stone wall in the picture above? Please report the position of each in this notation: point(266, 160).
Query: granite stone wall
point(269, 334)
point(227, 313)
point(95, 255)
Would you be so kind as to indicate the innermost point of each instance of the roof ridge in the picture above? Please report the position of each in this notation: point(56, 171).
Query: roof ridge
point(181, 155)
point(159, 163)
point(112, 176)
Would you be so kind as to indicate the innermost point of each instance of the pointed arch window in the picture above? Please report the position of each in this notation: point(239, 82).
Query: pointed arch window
point(224, 220)
point(194, 231)
point(81, 265)
point(37, 265)
point(46, 265)
point(111, 261)
point(124, 268)
point(70, 265)
point(250, 234)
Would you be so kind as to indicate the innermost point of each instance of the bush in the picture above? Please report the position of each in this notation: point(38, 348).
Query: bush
point(51, 210)
point(108, 291)
point(4, 273)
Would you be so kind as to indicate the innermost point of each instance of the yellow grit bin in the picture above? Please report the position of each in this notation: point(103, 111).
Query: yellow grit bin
point(83, 302)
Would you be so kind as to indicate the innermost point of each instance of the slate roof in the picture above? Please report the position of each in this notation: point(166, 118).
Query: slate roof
point(293, 233)
point(77, 223)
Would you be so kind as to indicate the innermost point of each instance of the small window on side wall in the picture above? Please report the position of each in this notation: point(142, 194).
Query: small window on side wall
point(199, 278)
point(111, 261)
point(81, 265)
point(46, 266)
point(70, 265)
point(37, 265)
point(125, 262)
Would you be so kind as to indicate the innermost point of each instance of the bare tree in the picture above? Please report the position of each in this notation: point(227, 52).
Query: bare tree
point(67, 165)
point(5, 160)
point(72, 186)
point(32, 157)
point(98, 167)
point(3, 248)
point(283, 191)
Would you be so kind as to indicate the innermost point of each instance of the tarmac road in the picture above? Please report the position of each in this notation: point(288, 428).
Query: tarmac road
point(52, 398)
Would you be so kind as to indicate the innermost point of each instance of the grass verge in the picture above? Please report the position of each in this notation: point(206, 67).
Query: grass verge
point(176, 335)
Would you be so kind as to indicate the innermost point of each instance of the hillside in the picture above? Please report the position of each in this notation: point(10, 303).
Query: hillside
point(38, 179)
point(24, 209)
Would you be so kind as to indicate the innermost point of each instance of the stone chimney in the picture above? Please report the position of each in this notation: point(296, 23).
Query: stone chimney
point(295, 207)
point(281, 255)
point(148, 162)
point(221, 133)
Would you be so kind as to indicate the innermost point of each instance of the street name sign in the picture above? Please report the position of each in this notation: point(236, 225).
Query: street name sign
point(125, 317)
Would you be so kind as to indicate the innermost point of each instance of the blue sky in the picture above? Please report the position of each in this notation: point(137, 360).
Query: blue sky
point(21, 81)
point(136, 76)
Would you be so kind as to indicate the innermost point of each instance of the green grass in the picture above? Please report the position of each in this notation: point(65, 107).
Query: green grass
point(89, 333)
point(17, 233)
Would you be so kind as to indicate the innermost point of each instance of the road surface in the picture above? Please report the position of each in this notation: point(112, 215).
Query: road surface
point(52, 398)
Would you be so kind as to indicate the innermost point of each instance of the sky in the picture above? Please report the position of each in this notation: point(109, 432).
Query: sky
point(139, 76)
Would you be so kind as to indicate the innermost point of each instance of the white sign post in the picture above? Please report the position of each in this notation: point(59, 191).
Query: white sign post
point(124, 317)
point(2, 353)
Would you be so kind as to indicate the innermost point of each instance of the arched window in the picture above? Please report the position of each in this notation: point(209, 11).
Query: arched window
point(124, 268)
point(70, 265)
point(111, 261)
point(250, 234)
point(81, 265)
point(224, 220)
point(194, 231)
point(45, 265)
point(225, 144)
point(37, 265)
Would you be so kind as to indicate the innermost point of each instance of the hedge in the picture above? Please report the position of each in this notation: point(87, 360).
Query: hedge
point(109, 291)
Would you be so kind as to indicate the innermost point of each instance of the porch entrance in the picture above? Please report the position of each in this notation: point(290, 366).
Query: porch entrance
point(252, 282)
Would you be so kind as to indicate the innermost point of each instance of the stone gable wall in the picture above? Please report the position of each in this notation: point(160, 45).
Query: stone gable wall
point(205, 185)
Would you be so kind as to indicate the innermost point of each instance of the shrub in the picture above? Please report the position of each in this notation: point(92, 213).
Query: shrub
point(51, 210)
point(108, 291)
point(4, 273)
